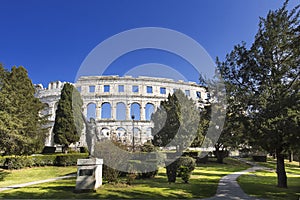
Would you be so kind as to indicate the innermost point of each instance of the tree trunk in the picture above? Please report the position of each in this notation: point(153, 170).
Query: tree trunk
point(291, 156)
point(280, 170)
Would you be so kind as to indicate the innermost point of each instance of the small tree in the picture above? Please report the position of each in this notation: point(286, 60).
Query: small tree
point(176, 122)
point(68, 120)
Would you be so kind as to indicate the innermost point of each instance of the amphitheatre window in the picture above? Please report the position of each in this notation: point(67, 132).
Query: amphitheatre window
point(135, 110)
point(91, 111)
point(187, 93)
point(149, 89)
point(121, 88)
point(79, 89)
point(163, 90)
point(106, 88)
point(198, 94)
point(121, 111)
point(106, 111)
point(135, 88)
point(208, 95)
point(92, 88)
point(149, 132)
point(149, 109)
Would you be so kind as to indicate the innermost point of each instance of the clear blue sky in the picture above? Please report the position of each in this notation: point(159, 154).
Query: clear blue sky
point(51, 38)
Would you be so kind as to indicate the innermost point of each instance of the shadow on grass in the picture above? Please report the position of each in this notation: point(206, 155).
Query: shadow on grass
point(3, 174)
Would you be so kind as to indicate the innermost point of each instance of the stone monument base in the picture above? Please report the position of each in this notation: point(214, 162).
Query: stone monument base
point(89, 174)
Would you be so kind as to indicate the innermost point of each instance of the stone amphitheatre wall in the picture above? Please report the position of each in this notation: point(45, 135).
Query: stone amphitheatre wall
point(113, 100)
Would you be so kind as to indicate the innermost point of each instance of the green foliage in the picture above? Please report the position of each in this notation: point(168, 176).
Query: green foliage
point(171, 171)
point(185, 166)
point(264, 81)
point(68, 159)
point(176, 122)
point(148, 147)
point(19, 162)
point(68, 121)
point(111, 175)
point(22, 129)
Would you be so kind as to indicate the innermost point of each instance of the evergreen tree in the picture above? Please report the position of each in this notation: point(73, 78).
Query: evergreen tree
point(68, 121)
point(176, 122)
point(266, 78)
point(22, 129)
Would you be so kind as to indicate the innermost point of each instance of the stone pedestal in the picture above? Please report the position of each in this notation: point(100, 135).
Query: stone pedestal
point(89, 174)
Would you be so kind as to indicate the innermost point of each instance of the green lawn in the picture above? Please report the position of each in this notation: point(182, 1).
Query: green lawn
point(262, 184)
point(203, 183)
point(11, 177)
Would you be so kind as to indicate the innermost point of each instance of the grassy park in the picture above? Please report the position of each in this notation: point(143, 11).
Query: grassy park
point(203, 183)
point(262, 184)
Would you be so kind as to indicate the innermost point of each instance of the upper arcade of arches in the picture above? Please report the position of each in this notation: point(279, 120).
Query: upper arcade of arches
point(127, 86)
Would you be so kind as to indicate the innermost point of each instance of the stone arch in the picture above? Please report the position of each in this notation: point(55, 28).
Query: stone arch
point(91, 111)
point(121, 134)
point(149, 109)
point(105, 132)
point(137, 132)
point(149, 132)
point(135, 109)
point(121, 111)
point(106, 110)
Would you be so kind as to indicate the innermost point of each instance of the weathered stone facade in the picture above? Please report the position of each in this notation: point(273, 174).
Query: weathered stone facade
point(113, 100)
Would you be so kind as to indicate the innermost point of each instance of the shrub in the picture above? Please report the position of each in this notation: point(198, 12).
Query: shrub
point(2, 161)
point(68, 159)
point(18, 162)
point(43, 160)
point(111, 175)
point(83, 150)
point(171, 171)
point(185, 166)
point(48, 150)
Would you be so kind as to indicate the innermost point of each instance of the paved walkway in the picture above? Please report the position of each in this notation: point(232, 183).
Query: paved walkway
point(35, 182)
point(228, 187)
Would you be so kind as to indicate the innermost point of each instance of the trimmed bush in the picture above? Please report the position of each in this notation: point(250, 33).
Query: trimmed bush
point(171, 171)
point(185, 166)
point(111, 175)
point(48, 150)
point(44, 160)
point(19, 162)
point(68, 159)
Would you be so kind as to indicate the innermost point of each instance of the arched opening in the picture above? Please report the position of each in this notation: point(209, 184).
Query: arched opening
point(121, 134)
point(135, 110)
point(121, 111)
point(148, 133)
point(105, 132)
point(91, 111)
point(137, 135)
point(106, 111)
point(149, 109)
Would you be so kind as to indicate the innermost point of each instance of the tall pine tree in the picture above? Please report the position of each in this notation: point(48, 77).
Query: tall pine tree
point(22, 129)
point(68, 121)
point(266, 77)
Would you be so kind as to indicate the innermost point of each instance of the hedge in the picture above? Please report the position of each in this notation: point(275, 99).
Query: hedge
point(19, 162)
